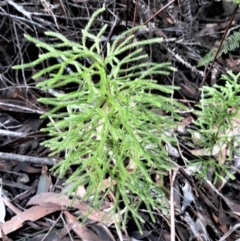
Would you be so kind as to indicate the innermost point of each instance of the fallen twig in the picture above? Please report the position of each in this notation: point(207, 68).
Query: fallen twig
point(24, 158)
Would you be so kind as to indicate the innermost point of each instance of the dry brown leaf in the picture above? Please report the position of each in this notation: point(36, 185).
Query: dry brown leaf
point(31, 214)
point(209, 151)
point(235, 207)
point(106, 184)
point(81, 191)
point(232, 62)
point(222, 156)
point(12, 207)
point(4, 236)
point(83, 232)
point(223, 228)
point(63, 200)
point(187, 120)
point(44, 184)
point(103, 231)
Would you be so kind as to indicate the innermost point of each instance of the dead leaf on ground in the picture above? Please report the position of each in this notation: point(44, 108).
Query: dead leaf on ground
point(103, 232)
point(63, 200)
point(209, 151)
point(45, 181)
point(83, 232)
point(11, 206)
point(4, 236)
point(31, 214)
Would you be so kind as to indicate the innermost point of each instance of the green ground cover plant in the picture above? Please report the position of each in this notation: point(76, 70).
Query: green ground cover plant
point(107, 127)
point(218, 125)
point(230, 43)
point(113, 126)
point(218, 118)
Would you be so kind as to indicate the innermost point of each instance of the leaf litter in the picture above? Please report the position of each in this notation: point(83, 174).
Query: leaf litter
point(31, 206)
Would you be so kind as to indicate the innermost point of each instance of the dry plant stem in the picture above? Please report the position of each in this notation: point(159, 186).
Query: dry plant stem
point(12, 133)
point(159, 11)
point(46, 6)
point(68, 228)
point(20, 108)
point(172, 214)
point(30, 159)
point(51, 228)
point(198, 190)
point(219, 48)
point(235, 227)
point(20, 9)
point(153, 16)
point(16, 185)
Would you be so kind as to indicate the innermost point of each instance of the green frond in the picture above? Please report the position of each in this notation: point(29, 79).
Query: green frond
point(216, 121)
point(231, 43)
point(234, 1)
point(105, 124)
point(90, 22)
point(123, 39)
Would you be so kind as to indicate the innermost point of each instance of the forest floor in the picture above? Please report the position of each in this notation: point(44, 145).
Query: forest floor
point(30, 205)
